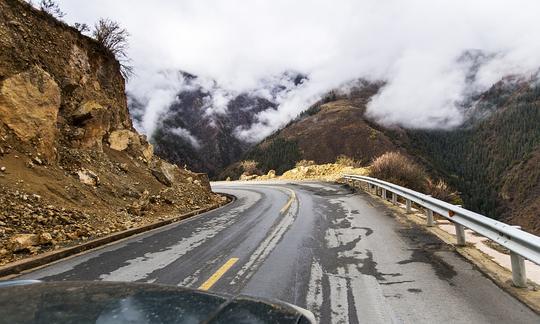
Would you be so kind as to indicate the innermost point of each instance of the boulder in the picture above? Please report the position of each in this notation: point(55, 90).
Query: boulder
point(29, 104)
point(45, 238)
point(141, 204)
point(271, 174)
point(164, 172)
point(120, 140)
point(88, 177)
point(22, 242)
point(202, 180)
point(148, 152)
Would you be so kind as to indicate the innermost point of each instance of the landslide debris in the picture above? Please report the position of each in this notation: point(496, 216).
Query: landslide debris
point(72, 167)
point(308, 170)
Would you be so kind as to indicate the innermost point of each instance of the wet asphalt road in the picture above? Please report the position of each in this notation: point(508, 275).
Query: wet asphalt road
point(340, 254)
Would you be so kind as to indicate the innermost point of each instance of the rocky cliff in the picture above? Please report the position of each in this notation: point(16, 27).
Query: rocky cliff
point(72, 166)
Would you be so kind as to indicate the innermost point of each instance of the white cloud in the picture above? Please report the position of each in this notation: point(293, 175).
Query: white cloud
point(414, 45)
point(186, 135)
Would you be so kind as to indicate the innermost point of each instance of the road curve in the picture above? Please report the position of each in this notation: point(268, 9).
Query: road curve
point(340, 254)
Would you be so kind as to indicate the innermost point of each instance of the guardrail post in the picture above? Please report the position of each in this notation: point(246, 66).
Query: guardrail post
point(519, 276)
point(460, 234)
point(429, 218)
point(394, 198)
point(383, 193)
point(408, 206)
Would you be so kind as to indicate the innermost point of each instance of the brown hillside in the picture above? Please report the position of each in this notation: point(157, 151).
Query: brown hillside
point(71, 165)
point(339, 128)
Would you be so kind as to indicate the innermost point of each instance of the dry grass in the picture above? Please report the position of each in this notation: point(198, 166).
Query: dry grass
point(397, 168)
point(249, 167)
point(439, 189)
point(348, 161)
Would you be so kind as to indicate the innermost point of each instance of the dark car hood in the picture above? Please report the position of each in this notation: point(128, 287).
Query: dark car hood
point(114, 302)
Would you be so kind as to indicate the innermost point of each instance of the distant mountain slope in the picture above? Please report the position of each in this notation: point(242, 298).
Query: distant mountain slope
point(493, 160)
point(198, 129)
point(334, 126)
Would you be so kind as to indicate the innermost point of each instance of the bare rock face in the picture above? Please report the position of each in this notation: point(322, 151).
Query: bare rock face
point(120, 140)
point(124, 139)
point(29, 103)
point(94, 119)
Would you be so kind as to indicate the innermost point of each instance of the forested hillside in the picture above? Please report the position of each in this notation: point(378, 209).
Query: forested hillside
point(493, 159)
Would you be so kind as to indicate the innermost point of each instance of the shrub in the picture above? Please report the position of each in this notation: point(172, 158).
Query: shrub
point(52, 8)
point(439, 189)
point(115, 39)
point(397, 168)
point(81, 27)
point(249, 167)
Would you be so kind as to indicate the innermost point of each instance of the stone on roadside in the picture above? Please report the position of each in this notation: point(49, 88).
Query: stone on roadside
point(45, 238)
point(21, 242)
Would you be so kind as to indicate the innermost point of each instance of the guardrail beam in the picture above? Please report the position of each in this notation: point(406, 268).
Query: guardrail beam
point(522, 245)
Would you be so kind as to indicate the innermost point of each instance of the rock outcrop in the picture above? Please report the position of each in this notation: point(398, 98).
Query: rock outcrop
point(72, 167)
point(29, 104)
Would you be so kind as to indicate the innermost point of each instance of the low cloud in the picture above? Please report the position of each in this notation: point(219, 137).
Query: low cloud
point(186, 135)
point(415, 46)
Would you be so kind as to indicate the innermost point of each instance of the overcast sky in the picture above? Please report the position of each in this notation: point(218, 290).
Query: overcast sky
point(414, 45)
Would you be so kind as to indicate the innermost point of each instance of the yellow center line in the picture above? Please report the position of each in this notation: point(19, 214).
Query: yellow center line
point(218, 274)
point(289, 203)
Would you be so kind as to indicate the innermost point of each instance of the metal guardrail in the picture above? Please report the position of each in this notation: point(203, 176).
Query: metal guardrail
point(522, 245)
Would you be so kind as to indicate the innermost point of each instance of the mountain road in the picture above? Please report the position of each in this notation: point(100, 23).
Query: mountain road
point(341, 254)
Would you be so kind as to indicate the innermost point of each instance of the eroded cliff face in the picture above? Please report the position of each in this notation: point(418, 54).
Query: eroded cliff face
point(72, 167)
point(57, 85)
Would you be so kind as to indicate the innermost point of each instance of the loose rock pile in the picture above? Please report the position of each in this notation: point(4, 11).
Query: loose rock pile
point(325, 172)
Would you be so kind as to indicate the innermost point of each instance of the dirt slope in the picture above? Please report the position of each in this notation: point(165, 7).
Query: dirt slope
point(71, 165)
